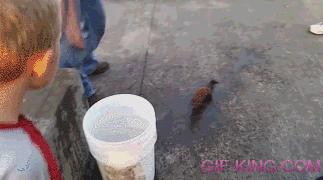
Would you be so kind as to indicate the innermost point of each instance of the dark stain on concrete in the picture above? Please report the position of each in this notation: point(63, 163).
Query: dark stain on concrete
point(207, 121)
point(68, 129)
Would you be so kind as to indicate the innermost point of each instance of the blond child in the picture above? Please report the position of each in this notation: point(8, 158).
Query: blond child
point(29, 48)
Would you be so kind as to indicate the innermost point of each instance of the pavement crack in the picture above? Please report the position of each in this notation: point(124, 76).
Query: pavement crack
point(143, 73)
point(147, 48)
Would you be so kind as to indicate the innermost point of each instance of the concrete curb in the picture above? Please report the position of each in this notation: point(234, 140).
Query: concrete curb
point(58, 112)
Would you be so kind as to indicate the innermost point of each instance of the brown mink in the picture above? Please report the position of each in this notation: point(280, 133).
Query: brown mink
point(203, 95)
point(200, 100)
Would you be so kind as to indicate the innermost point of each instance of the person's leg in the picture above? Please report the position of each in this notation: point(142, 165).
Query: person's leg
point(87, 84)
point(73, 58)
point(93, 27)
point(89, 64)
point(94, 21)
point(92, 67)
point(70, 57)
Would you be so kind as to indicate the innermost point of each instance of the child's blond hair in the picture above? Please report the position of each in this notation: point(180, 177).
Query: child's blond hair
point(26, 27)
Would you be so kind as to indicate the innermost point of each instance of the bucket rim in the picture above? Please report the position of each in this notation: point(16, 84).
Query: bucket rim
point(151, 129)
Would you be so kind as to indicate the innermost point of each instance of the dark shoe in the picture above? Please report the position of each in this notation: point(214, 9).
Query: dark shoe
point(101, 68)
point(93, 99)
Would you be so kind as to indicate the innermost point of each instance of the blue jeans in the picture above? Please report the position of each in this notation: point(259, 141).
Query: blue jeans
point(92, 22)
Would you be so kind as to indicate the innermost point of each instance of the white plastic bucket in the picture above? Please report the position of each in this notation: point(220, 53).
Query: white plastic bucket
point(121, 133)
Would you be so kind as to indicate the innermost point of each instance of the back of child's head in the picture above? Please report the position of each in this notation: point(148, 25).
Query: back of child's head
point(26, 28)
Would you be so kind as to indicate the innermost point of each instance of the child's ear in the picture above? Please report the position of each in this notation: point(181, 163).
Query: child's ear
point(41, 63)
point(38, 66)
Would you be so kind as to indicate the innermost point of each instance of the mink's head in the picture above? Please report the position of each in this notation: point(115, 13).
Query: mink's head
point(212, 83)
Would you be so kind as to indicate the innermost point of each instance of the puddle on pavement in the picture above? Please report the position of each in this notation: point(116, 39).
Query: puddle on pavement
point(182, 130)
point(179, 129)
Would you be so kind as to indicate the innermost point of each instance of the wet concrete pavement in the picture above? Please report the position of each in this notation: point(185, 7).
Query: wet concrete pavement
point(268, 104)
